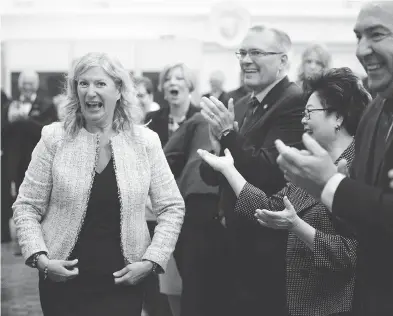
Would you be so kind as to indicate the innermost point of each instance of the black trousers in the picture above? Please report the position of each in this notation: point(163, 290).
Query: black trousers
point(201, 256)
point(155, 303)
point(89, 296)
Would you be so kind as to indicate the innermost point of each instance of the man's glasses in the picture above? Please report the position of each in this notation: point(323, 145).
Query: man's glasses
point(254, 54)
point(307, 113)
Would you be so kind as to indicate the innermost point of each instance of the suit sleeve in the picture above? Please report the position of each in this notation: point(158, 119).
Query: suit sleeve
point(251, 198)
point(335, 252)
point(176, 149)
point(209, 175)
point(364, 205)
point(286, 126)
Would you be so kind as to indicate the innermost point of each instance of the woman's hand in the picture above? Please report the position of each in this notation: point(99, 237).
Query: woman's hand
point(62, 270)
point(390, 175)
point(217, 163)
point(133, 273)
point(286, 219)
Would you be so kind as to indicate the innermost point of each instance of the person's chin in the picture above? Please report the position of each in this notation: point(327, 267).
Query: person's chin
point(94, 117)
point(253, 84)
point(382, 85)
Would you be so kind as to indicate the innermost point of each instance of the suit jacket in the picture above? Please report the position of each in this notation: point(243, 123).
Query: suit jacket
point(319, 282)
point(158, 121)
point(181, 153)
point(366, 200)
point(53, 198)
point(22, 136)
point(260, 253)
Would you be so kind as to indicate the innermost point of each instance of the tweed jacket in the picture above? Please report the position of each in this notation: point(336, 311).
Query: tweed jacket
point(53, 197)
point(319, 282)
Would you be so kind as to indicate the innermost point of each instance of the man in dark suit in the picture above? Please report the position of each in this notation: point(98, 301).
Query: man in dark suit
point(273, 110)
point(25, 118)
point(363, 199)
point(23, 121)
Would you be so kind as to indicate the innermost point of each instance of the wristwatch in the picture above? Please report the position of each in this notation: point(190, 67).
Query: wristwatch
point(34, 260)
point(155, 266)
point(225, 132)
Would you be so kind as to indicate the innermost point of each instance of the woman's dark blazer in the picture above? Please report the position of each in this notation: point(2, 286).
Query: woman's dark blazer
point(158, 121)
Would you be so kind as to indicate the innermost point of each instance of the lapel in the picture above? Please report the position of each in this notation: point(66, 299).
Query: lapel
point(363, 165)
point(159, 124)
point(377, 154)
point(381, 165)
point(270, 100)
point(40, 108)
point(191, 111)
point(35, 110)
point(241, 108)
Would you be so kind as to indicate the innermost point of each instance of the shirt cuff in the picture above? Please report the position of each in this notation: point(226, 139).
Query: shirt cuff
point(329, 190)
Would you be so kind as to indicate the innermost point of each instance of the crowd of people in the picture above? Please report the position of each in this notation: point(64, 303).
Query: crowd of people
point(272, 199)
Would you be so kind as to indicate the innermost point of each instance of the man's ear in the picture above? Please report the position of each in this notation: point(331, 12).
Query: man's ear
point(284, 61)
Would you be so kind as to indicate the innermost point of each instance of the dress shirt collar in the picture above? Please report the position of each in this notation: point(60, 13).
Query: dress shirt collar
point(261, 95)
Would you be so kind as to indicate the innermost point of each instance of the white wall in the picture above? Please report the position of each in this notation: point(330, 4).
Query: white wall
point(145, 36)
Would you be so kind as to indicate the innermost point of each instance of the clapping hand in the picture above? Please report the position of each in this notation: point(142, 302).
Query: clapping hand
point(217, 163)
point(133, 273)
point(285, 219)
point(310, 169)
point(217, 115)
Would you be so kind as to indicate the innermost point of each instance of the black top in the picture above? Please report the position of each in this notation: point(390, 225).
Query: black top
point(98, 248)
point(158, 121)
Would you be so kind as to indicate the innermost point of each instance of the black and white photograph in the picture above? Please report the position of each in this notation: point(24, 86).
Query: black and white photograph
point(196, 157)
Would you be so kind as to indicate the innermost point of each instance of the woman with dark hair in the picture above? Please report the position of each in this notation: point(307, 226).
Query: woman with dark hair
point(80, 212)
point(321, 249)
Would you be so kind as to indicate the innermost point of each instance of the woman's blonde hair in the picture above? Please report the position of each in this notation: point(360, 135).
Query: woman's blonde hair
point(127, 112)
point(188, 74)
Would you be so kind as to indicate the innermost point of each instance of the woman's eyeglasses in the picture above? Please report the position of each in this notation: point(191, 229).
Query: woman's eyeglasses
point(307, 113)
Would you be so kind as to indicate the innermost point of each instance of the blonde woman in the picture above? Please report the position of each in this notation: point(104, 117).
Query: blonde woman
point(80, 212)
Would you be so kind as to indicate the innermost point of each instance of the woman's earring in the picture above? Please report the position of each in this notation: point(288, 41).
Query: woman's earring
point(337, 128)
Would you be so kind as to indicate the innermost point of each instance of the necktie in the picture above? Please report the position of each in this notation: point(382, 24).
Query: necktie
point(249, 118)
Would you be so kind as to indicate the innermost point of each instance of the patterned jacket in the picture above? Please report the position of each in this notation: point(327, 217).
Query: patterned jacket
point(53, 197)
point(319, 282)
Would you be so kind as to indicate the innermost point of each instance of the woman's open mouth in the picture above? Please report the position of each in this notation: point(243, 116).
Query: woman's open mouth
point(94, 105)
point(174, 92)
